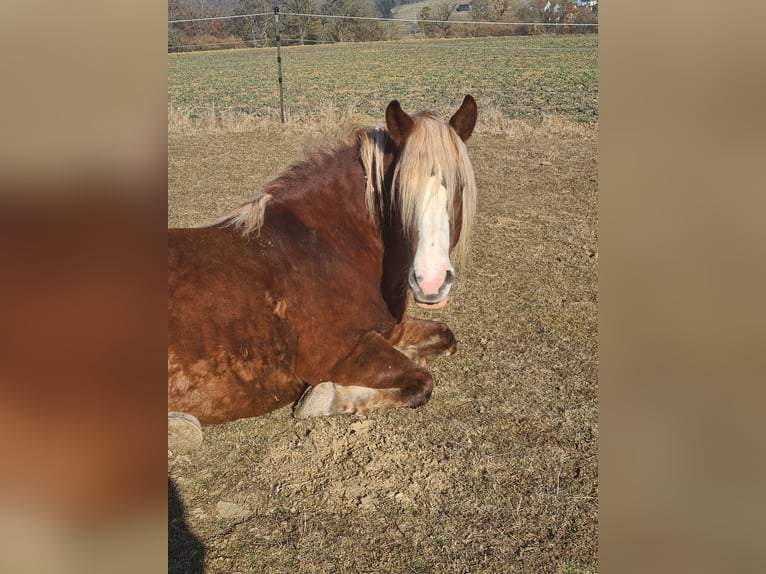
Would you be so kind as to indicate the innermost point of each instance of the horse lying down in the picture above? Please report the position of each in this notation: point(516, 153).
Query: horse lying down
point(301, 293)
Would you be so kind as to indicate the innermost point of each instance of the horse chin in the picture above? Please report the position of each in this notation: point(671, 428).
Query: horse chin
point(432, 306)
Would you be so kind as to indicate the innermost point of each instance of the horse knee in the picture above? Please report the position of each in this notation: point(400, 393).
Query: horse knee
point(450, 343)
point(419, 391)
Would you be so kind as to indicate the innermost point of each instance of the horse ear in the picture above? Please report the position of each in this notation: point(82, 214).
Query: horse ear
point(398, 123)
point(464, 119)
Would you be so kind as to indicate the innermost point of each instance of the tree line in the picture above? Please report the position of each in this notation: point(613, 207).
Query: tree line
point(435, 20)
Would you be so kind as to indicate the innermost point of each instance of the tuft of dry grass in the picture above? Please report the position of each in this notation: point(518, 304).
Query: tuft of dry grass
point(498, 472)
point(332, 122)
point(328, 120)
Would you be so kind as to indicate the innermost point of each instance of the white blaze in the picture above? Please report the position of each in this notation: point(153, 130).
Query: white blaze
point(432, 256)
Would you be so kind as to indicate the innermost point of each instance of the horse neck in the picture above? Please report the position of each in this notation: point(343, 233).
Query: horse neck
point(397, 251)
point(331, 192)
point(327, 192)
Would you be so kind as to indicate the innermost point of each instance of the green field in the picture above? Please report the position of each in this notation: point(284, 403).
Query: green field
point(521, 77)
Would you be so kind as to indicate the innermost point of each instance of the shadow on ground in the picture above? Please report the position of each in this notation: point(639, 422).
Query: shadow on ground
point(186, 554)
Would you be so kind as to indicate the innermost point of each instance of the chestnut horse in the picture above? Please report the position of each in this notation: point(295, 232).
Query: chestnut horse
point(302, 292)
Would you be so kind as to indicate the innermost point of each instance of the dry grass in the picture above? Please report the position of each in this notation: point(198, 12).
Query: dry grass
point(183, 121)
point(328, 120)
point(498, 473)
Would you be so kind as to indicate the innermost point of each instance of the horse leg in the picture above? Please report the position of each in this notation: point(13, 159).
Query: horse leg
point(375, 375)
point(422, 340)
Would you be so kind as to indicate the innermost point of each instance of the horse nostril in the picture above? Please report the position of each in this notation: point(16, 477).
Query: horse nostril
point(431, 288)
point(414, 280)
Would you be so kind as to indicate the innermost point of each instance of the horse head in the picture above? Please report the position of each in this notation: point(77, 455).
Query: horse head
point(434, 192)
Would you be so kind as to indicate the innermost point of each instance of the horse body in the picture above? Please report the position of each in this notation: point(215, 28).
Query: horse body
point(303, 291)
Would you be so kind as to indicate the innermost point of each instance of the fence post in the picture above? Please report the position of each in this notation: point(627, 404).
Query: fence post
point(279, 63)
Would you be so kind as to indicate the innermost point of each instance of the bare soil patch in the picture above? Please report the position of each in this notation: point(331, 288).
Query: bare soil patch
point(498, 472)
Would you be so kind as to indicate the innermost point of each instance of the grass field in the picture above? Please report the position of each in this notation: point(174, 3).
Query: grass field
point(498, 472)
point(521, 77)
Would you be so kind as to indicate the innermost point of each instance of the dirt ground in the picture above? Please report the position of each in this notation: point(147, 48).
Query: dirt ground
point(498, 472)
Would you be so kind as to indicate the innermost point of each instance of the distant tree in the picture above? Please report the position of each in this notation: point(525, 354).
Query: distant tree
point(424, 21)
point(337, 29)
point(174, 30)
point(504, 8)
point(255, 30)
point(482, 11)
point(347, 29)
point(584, 16)
point(384, 7)
point(301, 28)
point(203, 34)
point(441, 14)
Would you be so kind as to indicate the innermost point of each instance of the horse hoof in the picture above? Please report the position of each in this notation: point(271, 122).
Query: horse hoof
point(184, 432)
point(317, 401)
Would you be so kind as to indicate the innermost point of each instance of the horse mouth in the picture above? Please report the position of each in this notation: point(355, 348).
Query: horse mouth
point(430, 301)
point(431, 306)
